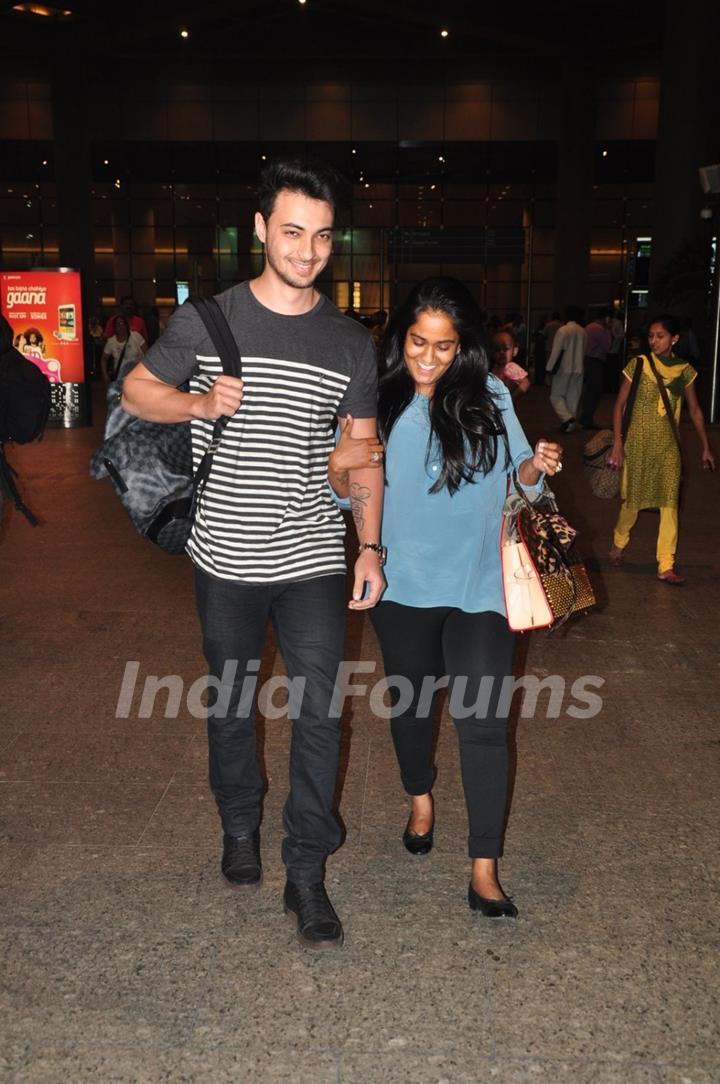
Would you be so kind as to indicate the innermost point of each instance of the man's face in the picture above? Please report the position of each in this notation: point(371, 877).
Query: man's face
point(297, 238)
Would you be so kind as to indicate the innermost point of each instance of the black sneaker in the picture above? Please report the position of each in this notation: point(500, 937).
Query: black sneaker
point(318, 927)
point(568, 426)
point(241, 866)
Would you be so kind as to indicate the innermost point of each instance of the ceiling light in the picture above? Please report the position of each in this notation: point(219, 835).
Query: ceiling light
point(604, 154)
point(44, 161)
point(444, 33)
point(440, 158)
point(106, 161)
point(47, 11)
point(354, 150)
point(184, 32)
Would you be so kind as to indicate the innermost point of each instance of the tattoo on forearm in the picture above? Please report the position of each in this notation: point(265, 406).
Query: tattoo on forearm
point(359, 496)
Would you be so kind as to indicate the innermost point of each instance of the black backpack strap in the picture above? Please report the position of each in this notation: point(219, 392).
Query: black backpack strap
point(219, 331)
point(224, 342)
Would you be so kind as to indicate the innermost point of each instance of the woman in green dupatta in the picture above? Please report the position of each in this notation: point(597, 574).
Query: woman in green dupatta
point(650, 458)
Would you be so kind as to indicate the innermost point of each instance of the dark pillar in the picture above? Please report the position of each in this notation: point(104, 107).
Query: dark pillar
point(688, 137)
point(574, 187)
point(73, 175)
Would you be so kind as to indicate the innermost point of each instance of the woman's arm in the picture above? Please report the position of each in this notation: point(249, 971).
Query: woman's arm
point(352, 453)
point(696, 416)
point(546, 460)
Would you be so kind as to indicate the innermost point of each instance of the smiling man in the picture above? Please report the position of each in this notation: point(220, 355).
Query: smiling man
point(267, 543)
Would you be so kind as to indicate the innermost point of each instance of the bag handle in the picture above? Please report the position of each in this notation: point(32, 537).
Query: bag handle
point(224, 342)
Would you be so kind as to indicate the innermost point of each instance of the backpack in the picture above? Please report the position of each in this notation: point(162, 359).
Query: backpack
point(24, 409)
point(24, 393)
point(150, 463)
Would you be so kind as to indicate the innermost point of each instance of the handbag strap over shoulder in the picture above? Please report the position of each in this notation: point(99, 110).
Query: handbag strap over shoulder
point(632, 396)
point(224, 342)
point(666, 403)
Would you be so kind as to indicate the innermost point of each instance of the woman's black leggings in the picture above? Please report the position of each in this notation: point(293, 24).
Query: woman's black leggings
point(475, 652)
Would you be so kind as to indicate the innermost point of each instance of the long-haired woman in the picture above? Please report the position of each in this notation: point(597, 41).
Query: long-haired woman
point(452, 441)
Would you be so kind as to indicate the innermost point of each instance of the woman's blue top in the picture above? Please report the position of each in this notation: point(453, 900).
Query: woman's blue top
point(445, 550)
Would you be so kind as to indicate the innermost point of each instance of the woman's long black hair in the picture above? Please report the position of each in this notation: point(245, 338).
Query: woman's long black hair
point(464, 417)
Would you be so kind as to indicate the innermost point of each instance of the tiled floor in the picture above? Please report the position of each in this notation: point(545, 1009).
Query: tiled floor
point(126, 958)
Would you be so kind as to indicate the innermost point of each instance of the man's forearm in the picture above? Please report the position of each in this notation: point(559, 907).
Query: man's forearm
point(157, 402)
point(366, 500)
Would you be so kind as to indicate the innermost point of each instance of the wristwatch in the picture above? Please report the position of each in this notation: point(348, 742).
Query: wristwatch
point(381, 551)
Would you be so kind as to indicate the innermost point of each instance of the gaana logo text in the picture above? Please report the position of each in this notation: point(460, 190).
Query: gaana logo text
point(35, 296)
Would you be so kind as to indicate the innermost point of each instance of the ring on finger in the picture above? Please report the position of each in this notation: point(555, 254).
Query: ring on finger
point(558, 467)
point(375, 457)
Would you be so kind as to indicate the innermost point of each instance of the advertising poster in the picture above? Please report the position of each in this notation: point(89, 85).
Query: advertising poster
point(44, 309)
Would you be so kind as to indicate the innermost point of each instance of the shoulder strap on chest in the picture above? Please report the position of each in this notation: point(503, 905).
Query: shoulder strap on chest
point(219, 331)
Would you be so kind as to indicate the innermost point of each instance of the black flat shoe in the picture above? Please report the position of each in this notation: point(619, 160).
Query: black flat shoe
point(504, 908)
point(415, 843)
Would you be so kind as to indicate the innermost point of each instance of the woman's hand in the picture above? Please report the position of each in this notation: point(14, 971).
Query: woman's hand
point(616, 458)
point(354, 453)
point(708, 460)
point(547, 458)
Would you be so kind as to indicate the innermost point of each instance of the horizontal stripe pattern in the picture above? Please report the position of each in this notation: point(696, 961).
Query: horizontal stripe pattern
point(266, 513)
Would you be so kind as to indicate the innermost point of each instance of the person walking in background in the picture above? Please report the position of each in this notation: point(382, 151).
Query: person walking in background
point(566, 365)
point(504, 366)
point(452, 442)
point(123, 350)
point(598, 341)
point(128, 309)
point(650, 459)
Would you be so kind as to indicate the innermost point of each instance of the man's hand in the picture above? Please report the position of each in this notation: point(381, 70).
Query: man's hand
point(224, 398)
point(367, 570)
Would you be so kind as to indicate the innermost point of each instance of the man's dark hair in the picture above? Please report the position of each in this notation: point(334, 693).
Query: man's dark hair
point(311, 178)
point(574, 312)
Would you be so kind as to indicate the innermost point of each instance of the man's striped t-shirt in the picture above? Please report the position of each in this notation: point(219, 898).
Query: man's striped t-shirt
point(266, 514)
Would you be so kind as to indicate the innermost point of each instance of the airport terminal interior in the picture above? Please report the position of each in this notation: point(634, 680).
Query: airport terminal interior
point(552, 156)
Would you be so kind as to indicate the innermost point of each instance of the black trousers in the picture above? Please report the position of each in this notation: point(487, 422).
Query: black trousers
point(593, 378)
point(308, 617)
point(466, 647)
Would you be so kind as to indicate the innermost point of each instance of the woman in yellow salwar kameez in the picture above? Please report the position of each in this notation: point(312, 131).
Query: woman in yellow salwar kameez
point(650, 458)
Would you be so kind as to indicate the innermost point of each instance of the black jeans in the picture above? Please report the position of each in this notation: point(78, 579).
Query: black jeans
point(308, 617)
point(440, 641)
point(593, 377)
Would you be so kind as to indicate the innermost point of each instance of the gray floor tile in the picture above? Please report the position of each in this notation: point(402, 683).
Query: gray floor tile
point(125, 1065)
point(103, 813)
point(465, 1067)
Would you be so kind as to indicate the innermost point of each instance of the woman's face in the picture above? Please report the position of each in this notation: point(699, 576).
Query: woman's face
point(503, 348)
point(431, 344)
point(660, 340)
